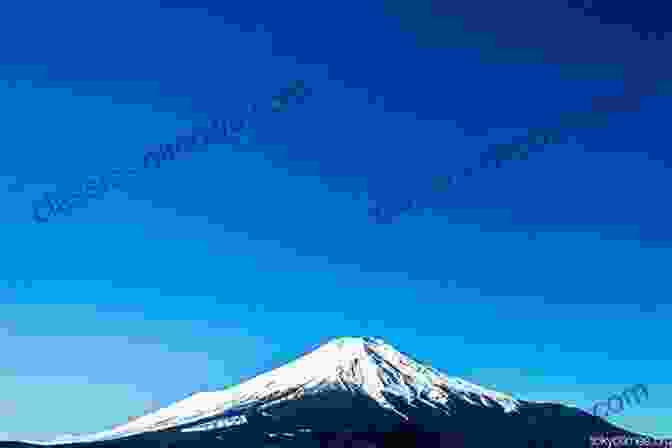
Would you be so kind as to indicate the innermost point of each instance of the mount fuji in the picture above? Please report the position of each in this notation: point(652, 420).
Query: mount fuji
point(352, 392)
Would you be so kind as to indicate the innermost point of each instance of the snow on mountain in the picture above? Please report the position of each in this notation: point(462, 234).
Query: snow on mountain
point(366, 366)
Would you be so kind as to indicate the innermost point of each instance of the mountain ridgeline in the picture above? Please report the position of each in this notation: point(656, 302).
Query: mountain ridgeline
point(352, 393)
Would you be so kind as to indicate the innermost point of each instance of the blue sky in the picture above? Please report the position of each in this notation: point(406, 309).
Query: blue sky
point(546, 278)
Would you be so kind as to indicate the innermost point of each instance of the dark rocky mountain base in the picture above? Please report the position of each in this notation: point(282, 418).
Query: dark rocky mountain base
point(347, 422)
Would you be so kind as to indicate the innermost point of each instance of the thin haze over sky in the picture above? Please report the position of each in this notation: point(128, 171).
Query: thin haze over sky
point(545, 278)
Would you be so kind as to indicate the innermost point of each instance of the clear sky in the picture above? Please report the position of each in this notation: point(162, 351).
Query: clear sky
point(547, 278)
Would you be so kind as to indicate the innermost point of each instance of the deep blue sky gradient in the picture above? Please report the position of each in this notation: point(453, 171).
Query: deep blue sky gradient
point(546, 278)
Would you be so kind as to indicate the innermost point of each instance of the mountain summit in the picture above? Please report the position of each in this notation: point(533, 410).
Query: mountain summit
point(361, 387)
point(359, 365)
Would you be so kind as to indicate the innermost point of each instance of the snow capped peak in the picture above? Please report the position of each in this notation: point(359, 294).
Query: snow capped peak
point(363, 366)
point(378, 369)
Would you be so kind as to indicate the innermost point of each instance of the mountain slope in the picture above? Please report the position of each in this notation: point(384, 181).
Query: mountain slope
point(362, 387)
